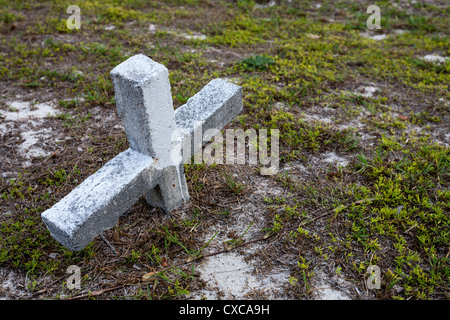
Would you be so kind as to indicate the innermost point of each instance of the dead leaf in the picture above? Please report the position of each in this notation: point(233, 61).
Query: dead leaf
point(149, 276)
point(313, 36)
point(229, 246)
point(164, 262)
point(364, 200)
point(403, 117)
point(192, 258)
point(268, 235)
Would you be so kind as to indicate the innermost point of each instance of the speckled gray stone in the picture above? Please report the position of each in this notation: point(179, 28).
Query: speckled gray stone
point(144, 104)
point(217, 104)
point(97, 203)
point(152, 166)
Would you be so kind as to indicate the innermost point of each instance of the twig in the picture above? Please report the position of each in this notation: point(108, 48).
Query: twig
point(99, 292)
point(46, 288)
point(148, 276)
point(234, 242)
point(200, 250)
point(335, 210)
point(71, 171)
point(107, 243)
point(303, 223)
point(412, 227)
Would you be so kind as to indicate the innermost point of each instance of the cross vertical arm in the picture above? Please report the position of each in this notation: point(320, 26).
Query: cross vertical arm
point(144, 104)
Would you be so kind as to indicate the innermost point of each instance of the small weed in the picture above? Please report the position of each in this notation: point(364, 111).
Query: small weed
point(236, 187)
point(196, 255)
point(133, 257)
point(230, 244)
point(257, 63)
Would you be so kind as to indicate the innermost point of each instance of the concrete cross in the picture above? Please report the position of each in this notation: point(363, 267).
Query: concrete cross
point(152, 166)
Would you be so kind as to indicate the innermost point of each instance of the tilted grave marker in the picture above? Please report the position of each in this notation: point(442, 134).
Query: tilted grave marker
point(152, 166)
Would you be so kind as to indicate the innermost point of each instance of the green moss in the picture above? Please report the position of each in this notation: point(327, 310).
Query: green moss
point(9, 17)
point(118, 14)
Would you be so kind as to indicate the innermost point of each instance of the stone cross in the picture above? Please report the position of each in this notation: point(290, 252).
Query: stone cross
point(153, 165)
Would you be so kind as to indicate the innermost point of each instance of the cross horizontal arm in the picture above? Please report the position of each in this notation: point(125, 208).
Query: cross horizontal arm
point(217, 104)
point(97, 203)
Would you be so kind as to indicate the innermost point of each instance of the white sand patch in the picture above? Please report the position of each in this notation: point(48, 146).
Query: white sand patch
point(378, 37)
point(25, 121)
point(11, 285)
point(233, 277)
point(230, 275)
point(5, 128)
point(196, 36)
point(280, 106)
point(187, 35)
point(33, 142)
point(433, 58)
point(327, 293)
point(317, 118)
point(368, 139)
point(264, 188)
point(234, 80)
point(331, 288)
point(364, 34)
point(353, 124)
point(399, 31)
point(331, 157)
point(20, 110)
point(267, 5)
point(295, 167)
point(220, 63)
point(367, 91)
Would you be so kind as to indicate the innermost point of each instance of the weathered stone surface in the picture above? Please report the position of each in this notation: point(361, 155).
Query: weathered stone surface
point(144, 104)
point(217, 104)
point(98, 202)
point(153, 166)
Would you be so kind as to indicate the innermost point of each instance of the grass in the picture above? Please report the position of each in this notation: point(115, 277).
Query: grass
point(388, 207)
point(257, 62)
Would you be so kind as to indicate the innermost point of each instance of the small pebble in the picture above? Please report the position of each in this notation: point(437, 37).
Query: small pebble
point(53, 255)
